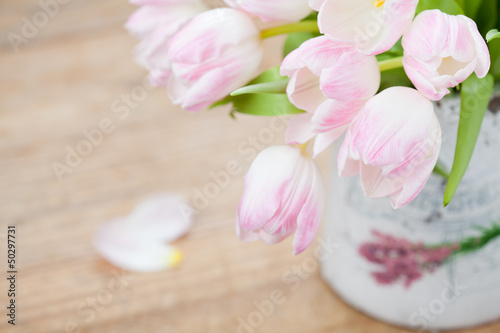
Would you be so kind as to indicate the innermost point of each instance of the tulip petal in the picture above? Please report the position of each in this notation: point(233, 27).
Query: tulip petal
point(273, 11)
point(333, 114)
point(371, 29)
point(164, 217)
point(303, 90)
point(353, 77)
point(265, 183)
point(324, 140)
point(483, 54)
point(299, 129)
point(417, 179)
point(309, 218)
point(316, 4)
point(124, 247)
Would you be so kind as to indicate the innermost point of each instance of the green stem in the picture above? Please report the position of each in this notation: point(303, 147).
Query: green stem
point(389, 64)
point(440, 170)
point(472, 244)
point(303, 26)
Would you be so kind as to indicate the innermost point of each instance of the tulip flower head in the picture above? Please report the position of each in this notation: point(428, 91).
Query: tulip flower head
point(284, 193)
point(215, 53)
point(394, 144)
point(441, 51)
point(373, 26)
point(155, 23)
point(331, 81)
point(273, 11)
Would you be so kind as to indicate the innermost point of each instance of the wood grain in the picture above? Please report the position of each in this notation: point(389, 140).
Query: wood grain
point(63, 81)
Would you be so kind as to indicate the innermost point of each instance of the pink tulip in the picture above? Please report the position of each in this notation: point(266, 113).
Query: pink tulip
point(394, 144)
point(275, 10)
point(441, 51)
point(373, 26)
point(155, 23)
point(331, 81)
point(213, 55)
point(284, 193)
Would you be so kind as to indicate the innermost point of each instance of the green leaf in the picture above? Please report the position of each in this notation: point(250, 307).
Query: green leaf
point(274, 87)
point(470, 7)
point(446, 6)
point(492, 34)
point(476, 95)
point(393, 78)
point(494, 48)
point(260, 104)
point(294, 40)
point(486, 17)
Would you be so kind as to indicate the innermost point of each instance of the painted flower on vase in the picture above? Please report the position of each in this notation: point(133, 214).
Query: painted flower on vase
point(284, 193)
point(273, 11)
point(331, 81)
point(214, 54)
point(441, 51)
point(372, 26)
point(402, 260)
point(393, 144)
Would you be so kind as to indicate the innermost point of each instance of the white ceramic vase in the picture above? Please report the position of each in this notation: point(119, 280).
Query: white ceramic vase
point(461, 292)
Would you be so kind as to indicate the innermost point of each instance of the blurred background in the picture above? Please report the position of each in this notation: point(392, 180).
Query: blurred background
point(70, 73)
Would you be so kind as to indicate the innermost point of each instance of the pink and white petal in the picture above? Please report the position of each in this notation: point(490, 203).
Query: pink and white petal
point(386, 134)
point(177, 91)
point(376, 184)
point(416, 181)
point(273, 11)
point(333, 114)
point(320, 52)
point(208, 34)
point(354, 76)
point(413, 70)
point(316, 4)
point(311, 213)
point(284, 222)
point(270, 239)
point(460, 41)
point(291, 64)
point(345, 20)
point(482, 52)
point(450, 81)
point(303, 90)
point(164, 217)
point(169, 19)
point(244, 235)
point(324, 140)
point(397, 16)
point(346, 165)
point(124, 247)
point(221, 81)
point(299, 129)
point(265, 183)
point(421, 40)
point(158, 77)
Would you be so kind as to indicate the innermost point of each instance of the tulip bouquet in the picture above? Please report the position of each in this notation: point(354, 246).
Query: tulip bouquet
point(366, 71)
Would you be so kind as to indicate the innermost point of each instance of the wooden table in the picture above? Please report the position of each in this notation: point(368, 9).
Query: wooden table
point(68, 78)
